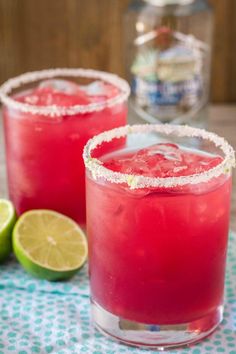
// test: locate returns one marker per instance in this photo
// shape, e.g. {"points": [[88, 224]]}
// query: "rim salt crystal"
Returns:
{"points": [[54, 110], [137, 181]]}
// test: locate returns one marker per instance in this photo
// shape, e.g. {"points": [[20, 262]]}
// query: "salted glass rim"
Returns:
{"points": [[134, 181], [54, 110]]}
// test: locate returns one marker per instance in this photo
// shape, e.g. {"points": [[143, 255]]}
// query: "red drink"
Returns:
{"points": [[44, 148], [158, 253], [175, 257]]}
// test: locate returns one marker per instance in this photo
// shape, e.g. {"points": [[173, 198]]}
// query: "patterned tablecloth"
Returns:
{"points": [[41, 317]]}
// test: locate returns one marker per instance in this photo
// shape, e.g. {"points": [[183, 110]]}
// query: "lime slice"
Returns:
{"points": [[49, 245], [7, 221]]}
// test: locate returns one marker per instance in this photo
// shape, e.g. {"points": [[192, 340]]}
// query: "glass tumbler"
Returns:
{"points": [[157, 245], [47, 122]]}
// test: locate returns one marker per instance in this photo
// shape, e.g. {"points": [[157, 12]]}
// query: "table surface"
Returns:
{"points": [[222, 120]]}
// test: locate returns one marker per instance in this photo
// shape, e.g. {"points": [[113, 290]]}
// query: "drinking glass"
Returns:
{"points": [[157, 245], [45, 135]]}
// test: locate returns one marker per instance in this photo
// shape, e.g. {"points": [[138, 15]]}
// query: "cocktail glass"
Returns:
{"points": [[157, 245], [45, 133]]}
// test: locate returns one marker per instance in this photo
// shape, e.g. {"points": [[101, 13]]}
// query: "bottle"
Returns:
{"points": [[168, 58]]}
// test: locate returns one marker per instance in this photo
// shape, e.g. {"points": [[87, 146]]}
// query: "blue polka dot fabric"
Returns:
{"points": [[41, 317]]}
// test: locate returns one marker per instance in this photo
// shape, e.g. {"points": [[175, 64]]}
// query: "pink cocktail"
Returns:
{"points": [[158, 233], [47, 121]]}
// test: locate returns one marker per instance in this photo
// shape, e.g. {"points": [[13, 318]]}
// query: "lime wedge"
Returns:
{"points": [[49, 245], [7, 221]]}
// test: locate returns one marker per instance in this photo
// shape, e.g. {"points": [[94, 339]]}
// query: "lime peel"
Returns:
{"points": [[49, 245], [7, 222]]}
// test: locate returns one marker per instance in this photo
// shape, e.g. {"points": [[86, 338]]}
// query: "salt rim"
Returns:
{"points": [[53, 110], [137, 181]]}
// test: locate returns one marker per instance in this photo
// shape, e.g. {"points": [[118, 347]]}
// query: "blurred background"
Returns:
{"points": [[78, 33]]}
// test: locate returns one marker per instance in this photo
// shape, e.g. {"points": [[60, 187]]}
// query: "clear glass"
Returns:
{"points": [[44, 143], [168, 56], [157, 247]]}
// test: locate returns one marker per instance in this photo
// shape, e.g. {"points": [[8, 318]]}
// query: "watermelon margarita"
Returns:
{"points": [[46, 127], [158, 233]]}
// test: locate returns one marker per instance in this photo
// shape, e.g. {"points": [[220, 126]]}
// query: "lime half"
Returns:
{"points": [[7, 221], [49, 245]]}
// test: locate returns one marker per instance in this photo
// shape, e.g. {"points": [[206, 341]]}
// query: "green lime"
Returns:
{"points": [[49, 245], [7, 221]]}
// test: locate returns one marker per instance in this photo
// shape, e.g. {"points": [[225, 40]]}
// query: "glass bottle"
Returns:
{"points": [[168, 58]]}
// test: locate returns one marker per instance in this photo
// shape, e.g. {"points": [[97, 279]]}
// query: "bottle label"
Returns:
{"points": [[167, 93]]}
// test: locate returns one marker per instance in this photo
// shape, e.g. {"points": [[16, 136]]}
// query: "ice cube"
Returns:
{"points": [[63, 86], [96, 88], [61, 93], [166, 151], [32, 99], [99, 89], [178, 169]]}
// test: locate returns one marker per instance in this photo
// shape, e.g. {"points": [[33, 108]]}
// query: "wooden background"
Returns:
{"points": [[87, 33]]}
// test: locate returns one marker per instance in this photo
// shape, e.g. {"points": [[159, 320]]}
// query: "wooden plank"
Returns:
{"points": [[60, 33], [224, 51], [41, 34]]}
